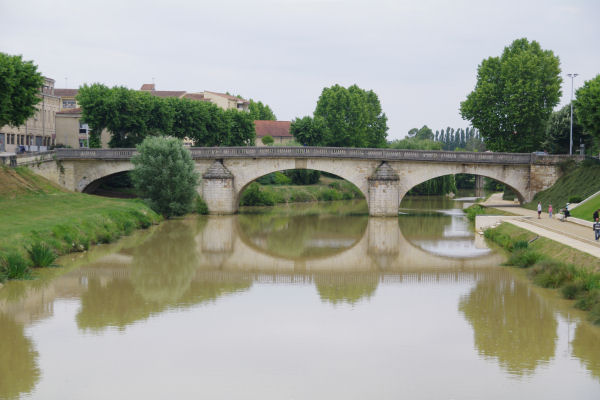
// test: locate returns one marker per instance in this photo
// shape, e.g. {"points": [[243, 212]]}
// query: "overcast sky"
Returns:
{"points": [[420, 57]]}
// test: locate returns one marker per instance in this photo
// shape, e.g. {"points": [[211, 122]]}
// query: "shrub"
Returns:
{"points": [[588, 300], [552, 274], [303, 176], [164, 175], [523, 258], [14, 266], [41, 255], [279, 178], [575, 199], [201, 207], [253, 196], [329, 195], [520, 245], [267, 140], [572, 290], [301, 197]]}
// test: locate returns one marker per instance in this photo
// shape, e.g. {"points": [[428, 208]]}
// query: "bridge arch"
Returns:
{"points": [[242, 184], [500, 173]]}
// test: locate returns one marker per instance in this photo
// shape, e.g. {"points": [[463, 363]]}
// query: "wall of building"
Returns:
{"points": [[40, 129]]}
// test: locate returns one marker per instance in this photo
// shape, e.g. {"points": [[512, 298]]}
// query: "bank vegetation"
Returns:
{"points": [[40, 221], [553, 265]]}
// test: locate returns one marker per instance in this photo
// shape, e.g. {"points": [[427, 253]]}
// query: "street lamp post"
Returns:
{"points": [[571, 136]]}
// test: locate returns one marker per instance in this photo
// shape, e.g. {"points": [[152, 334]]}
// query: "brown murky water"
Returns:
{"points": [[295, 304]]}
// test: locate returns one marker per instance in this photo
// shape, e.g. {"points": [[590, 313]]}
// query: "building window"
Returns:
{"points": [[83, 128], [68, 103]]}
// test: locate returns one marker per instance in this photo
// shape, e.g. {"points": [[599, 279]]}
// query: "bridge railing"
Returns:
{"points": [[200, 153]]}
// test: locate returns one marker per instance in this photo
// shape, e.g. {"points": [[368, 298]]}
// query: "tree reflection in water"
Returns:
{"points": [[348, 288], [586, 347], [19, 372], [160, 277], [511, 324]]}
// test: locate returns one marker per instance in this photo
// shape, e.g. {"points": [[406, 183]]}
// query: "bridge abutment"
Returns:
{"points": [[384, 192], [217, 189]]}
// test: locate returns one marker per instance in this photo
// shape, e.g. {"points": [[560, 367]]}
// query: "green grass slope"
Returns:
{"points": [[581, 180], [33, 210]]}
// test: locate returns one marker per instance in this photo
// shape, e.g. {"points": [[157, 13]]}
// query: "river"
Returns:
{"points": [[311, 301]]}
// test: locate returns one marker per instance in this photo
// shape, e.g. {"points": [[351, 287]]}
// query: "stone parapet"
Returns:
{"points": [[331, 152]]}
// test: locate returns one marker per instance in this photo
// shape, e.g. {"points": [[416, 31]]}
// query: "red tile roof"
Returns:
{"points": [[66, 92], [70, 111], [148, 86], [272, 128], [195, 96], [167, 93]]}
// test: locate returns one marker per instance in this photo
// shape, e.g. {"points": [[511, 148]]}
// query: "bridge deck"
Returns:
{"points": [[200, 153]]}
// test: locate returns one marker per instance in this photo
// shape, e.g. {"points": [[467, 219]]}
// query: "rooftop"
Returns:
{"points": [[272, 128], [66, 92]]}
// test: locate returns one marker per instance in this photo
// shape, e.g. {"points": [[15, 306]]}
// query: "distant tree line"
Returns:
{"points": [[131, 115]]}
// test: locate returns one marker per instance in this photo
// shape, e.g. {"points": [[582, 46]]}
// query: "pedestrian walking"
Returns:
{"points": [[539, 209], [596, 228], [595, 216], [550, 210]]}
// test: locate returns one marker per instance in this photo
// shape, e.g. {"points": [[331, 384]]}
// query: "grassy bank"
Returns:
{"points": [[577, 183], [326, 189], [476, 209], [553, 265], [39, 219], [586, 210]]}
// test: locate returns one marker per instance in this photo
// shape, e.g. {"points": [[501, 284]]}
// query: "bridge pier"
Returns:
{"points": [[384, 192], [217, 189]]}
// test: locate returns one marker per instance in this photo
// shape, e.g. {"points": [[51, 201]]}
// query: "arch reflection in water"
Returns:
{"points": [[443, 233], [511, 323]]}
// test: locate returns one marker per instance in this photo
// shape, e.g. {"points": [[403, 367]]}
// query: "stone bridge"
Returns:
{"points": [[384, 176]]}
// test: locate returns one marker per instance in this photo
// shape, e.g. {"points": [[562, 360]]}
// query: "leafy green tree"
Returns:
{"points": [[558, 132], [260, 111], [309, 131], [164, 175], [344, 117], [267, 140], [131, 116], [240, 129], [587, 106], [514, 96], [425, 133], [20, 84]]}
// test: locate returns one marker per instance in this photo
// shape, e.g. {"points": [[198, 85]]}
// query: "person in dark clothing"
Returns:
{"points": [[596, 228], [595, 216]]}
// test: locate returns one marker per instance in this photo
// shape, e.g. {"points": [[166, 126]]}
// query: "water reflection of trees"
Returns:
{"points": [[164, 266], [511, 324], [586, 347], [348, 288], [19, 372], [298, 236], [424, 225], [160, 277]]}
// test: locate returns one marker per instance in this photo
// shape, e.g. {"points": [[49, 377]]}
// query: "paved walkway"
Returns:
{"points": [[575, 233]]}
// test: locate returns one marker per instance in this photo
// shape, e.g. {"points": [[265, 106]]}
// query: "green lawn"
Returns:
{"points": [[32, 209], [586, 210]]}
